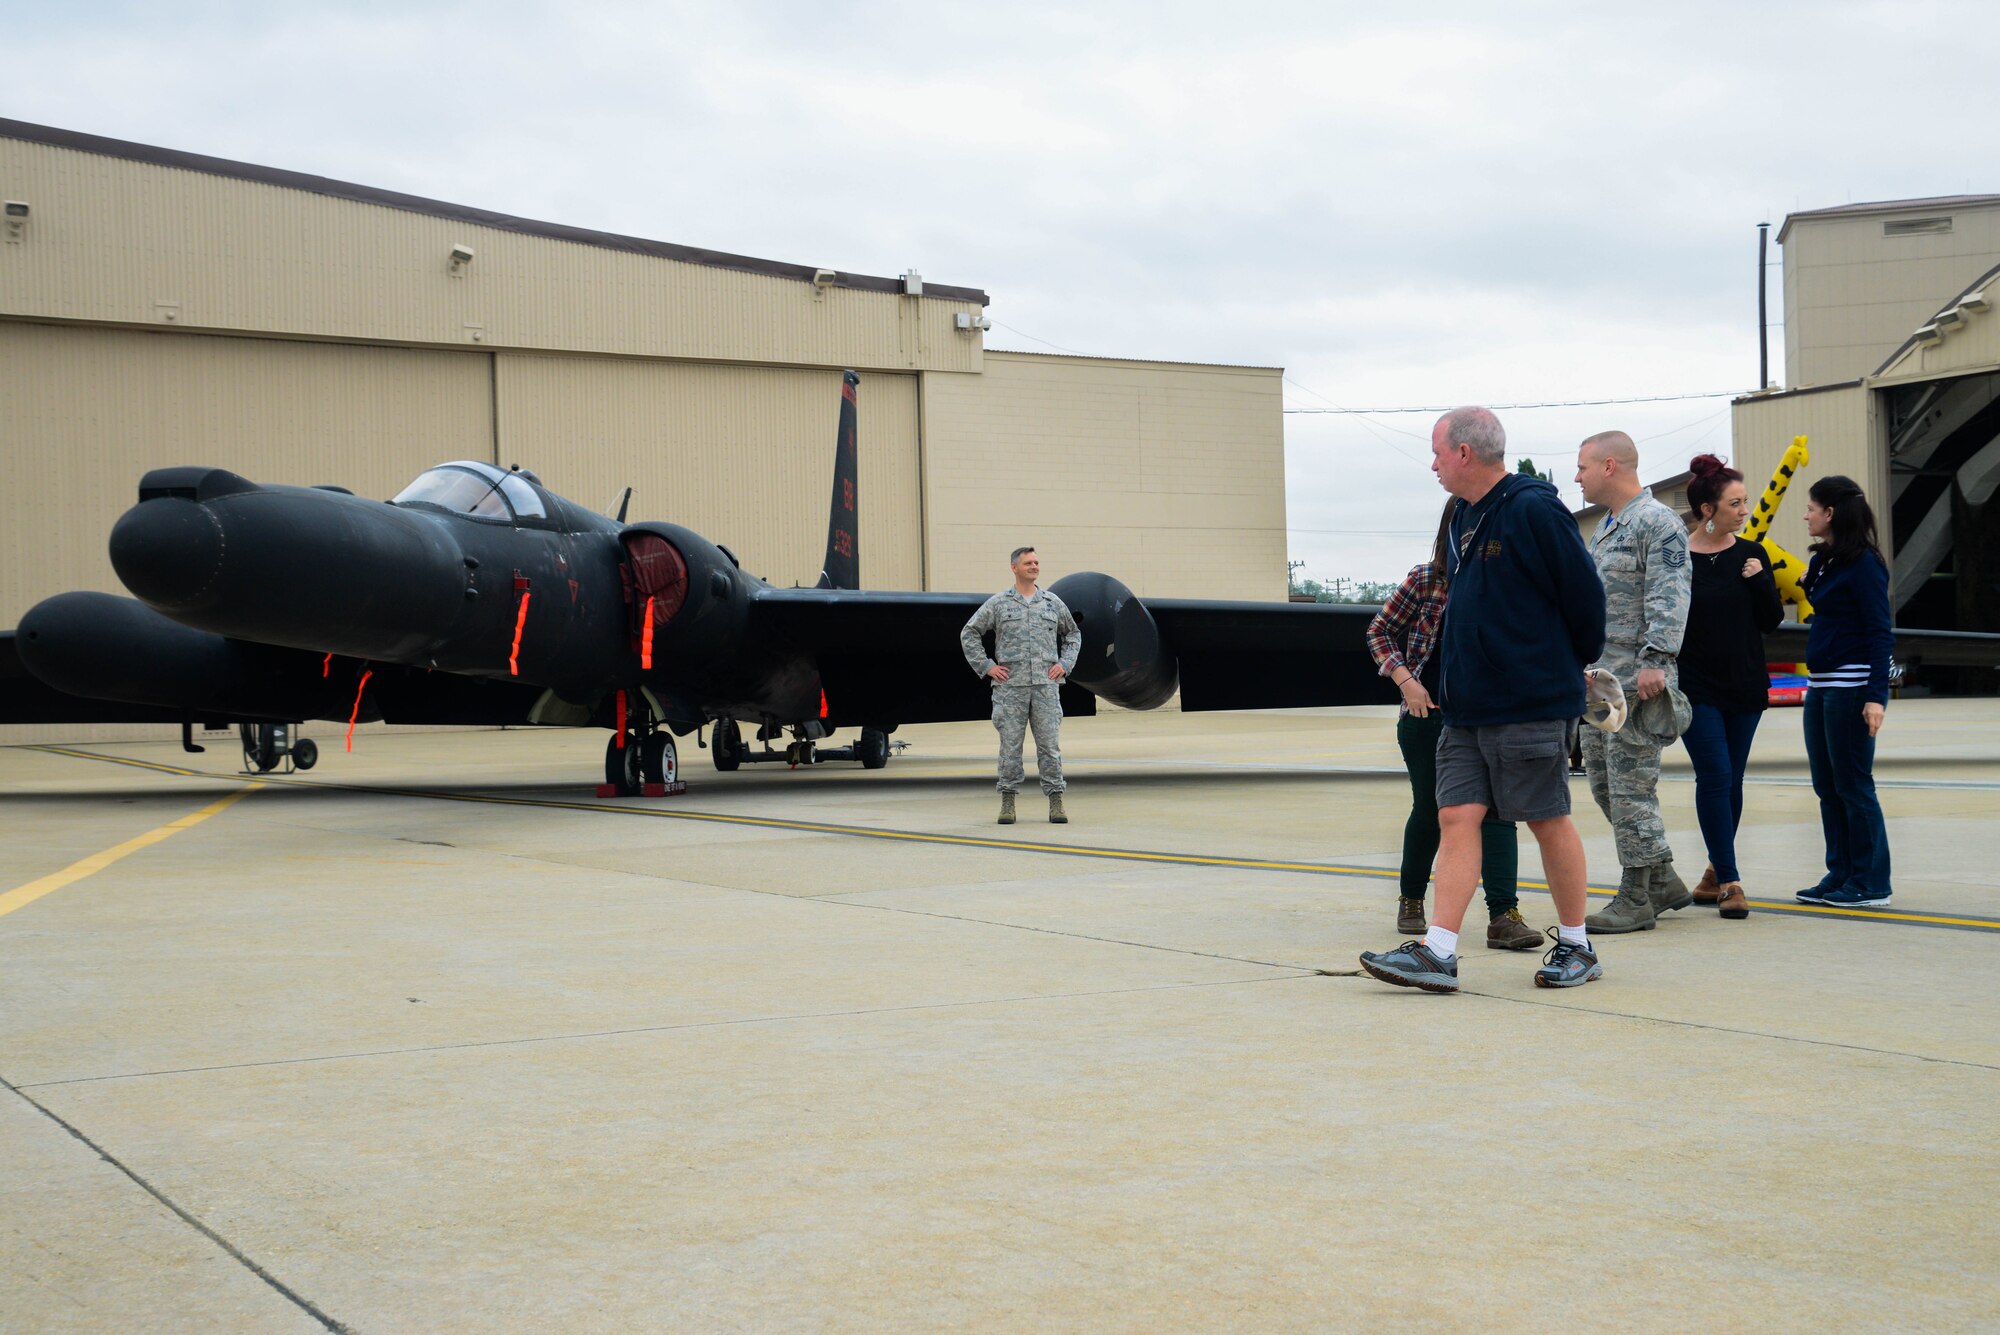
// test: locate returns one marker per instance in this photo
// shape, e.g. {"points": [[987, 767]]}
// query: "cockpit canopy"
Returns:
{"points": [[469, 487]]}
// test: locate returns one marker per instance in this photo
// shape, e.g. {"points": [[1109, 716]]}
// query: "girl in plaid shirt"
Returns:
{"points": [[1403, 638]]}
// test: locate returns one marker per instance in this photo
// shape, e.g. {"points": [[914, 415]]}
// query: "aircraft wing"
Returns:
{"points": [[139, 668], [1271, 655], [25, 698], [1933, 648], [885, 655]]}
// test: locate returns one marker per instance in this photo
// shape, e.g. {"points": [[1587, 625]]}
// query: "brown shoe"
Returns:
{"points": [[1410, 920], [1706, 891], [1509, 932], [1731, 902]]}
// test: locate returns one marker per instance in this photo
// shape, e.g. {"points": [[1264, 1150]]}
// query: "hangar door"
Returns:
{"points": [[87, 411], [741, 454]]}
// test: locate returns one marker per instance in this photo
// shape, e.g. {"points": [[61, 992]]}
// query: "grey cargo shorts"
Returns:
{"points": [[1517, 771]]}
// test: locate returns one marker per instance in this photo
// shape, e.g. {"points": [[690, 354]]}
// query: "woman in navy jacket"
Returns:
{"points": [[1847, 652]]}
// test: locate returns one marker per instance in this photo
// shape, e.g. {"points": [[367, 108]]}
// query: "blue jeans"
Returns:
{"points": [[1718, 742], [1842, 757]]}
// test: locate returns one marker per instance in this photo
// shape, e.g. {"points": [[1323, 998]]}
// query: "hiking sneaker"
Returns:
{"points": [[1669, 891], [1567, 964], [1410, 919], [1632, 911], [1510, 932], [1847, 897], [1006, 809], [1412, 965], [1708, 890], [1057, 816]]}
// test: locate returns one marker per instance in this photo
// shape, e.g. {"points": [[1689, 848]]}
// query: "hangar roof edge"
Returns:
{"points": [[1886, 206], [55, 137]]}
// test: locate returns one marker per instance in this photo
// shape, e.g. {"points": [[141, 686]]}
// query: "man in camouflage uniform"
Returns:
{"points": [[1035, 640], [1642, 556]]}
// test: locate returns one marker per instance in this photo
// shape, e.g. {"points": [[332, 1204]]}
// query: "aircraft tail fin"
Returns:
{"points": [[842, 567]]}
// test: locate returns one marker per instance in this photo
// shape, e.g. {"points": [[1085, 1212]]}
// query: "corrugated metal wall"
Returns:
{"points": [[1852, 294], [1842, 437], [118, 241], [85, 412], [719, 406], [742, 455], [1170, 477]]}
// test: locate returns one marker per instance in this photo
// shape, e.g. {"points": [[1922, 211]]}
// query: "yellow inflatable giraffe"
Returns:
{"points": [[1785, 568]]}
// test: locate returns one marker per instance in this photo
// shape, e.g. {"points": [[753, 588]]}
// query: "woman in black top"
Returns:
{"points": [[1722, 669]]}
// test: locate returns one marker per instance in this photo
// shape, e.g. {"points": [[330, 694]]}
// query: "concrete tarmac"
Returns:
{"points": [[430, 1039]]}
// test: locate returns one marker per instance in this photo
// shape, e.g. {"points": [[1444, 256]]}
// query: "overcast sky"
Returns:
{"points": [[1450, 203]]}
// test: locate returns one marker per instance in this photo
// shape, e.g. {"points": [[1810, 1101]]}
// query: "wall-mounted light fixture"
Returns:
{"points": [[823, 279], [16, 213], [461, 259], [1949, 320], [967, 321], [1973, 301], [1928, 335]]}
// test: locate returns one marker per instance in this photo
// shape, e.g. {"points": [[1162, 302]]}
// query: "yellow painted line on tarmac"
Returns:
{"points": [[973, 841], [23, 895]]}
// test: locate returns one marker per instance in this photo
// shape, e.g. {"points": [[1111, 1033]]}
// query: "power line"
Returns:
{"points": [[1511, 407]]}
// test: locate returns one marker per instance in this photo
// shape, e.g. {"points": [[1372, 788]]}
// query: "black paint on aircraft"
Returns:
{"points": [[478, 596]]}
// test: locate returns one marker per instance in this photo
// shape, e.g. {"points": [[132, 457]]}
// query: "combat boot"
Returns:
{"points": [[1632, 911], [1057, 816], [1668, 890], [1006, 809]]}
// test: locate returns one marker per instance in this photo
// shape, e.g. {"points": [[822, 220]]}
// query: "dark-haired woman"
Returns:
{"points": [[1734, 602], [1847, 653], [1403, 638]]}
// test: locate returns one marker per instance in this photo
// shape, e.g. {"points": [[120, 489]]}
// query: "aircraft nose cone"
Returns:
{"points": [[168, 551]]}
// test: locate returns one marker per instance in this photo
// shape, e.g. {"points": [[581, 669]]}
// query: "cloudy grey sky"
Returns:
{"points": [[1454, 203]]}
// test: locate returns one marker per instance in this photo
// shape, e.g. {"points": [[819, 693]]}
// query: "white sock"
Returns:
{"points": [[1441, 943], [1576, 936]]}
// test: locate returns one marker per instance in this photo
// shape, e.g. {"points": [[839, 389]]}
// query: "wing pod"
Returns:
{"points": [[1125, 659], [103, 647]]}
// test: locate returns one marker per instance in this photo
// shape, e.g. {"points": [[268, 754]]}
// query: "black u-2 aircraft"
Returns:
{"points": [[478, 596]]}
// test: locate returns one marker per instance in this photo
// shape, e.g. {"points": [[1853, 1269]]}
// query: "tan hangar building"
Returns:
{"points": [[159, 307], [1892, 359]]}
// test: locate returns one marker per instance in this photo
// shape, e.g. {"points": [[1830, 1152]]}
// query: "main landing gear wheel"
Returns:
{"points": [[873, 748], [659, 759], [726, 745], [623, 768]]}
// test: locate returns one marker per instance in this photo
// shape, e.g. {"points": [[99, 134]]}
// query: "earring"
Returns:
{"points": [[1710, 526]]}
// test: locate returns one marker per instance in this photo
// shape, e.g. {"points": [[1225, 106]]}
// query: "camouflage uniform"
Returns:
{"points": [[1642, 557], [1029, 634]]}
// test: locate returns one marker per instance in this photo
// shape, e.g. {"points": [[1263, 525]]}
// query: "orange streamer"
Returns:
{"points": [[621, 720], [520, 624], [646, 637], [357, 707]]}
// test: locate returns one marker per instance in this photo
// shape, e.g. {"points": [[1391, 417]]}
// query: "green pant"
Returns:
{"points": [[1500, 861]]}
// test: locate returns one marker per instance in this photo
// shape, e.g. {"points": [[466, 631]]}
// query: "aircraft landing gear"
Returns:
{"points": [[726, 744], [266, 744], [643, 761], [873, 749]]}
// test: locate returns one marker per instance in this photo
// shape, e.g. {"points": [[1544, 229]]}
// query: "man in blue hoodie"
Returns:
{"points": [[1524, 617]]}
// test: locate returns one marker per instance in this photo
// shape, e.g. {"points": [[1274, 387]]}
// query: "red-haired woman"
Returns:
{"points": [[1722, 671], [1403, 638]]}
